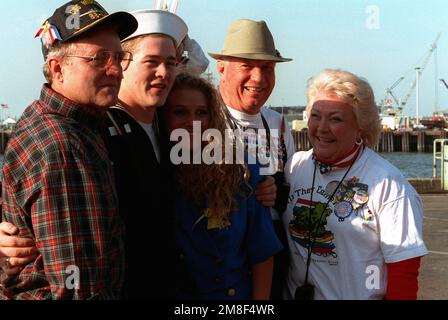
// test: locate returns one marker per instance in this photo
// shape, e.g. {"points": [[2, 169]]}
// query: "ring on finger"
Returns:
{"points": [[8, 263]]}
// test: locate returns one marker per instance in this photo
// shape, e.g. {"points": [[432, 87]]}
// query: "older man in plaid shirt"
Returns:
{"points": [[58, 186]]}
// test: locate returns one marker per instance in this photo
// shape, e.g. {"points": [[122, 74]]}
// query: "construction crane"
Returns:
{"points": [[422, 68], [390, 93]]}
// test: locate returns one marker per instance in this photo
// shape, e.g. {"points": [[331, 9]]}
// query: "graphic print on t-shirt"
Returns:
{"points": [[350, 198], [256, 145], [303, 217]]}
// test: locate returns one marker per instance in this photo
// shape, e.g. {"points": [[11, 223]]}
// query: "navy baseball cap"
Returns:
{"points": [[79, 16]]}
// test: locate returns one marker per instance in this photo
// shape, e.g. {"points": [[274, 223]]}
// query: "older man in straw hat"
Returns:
{"points": [[246, 66]]}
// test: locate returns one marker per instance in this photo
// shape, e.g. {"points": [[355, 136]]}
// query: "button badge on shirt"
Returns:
{"points": [[343, 210], [361, 197]]}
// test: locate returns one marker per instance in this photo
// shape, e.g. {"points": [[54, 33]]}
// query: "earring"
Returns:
{"points": [[359, 141]]}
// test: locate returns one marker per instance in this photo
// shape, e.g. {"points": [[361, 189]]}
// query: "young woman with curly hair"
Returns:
{"points": [[224, 235]]}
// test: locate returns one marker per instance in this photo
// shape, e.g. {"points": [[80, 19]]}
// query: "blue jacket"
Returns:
{"points": [[216, 263]]}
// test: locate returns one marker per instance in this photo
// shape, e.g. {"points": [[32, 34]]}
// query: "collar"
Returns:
{"points": [[346, 160], [119, 106], [244, 119], [56, 103]]}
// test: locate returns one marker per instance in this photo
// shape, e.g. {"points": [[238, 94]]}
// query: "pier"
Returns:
{"points": [[433, 278], [390, 141]]}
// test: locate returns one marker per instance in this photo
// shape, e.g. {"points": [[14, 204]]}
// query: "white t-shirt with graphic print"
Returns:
{"points": [[274, 121], [375, 218]]}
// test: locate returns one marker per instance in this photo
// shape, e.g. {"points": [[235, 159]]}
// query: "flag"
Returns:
{"points": [[48, 34]]}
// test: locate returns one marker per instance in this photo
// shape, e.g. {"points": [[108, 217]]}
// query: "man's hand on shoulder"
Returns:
{"points": [[15, 252], [266, 192]]}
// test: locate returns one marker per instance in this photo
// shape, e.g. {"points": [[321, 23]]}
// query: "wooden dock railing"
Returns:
{"points": [[390, 141]]}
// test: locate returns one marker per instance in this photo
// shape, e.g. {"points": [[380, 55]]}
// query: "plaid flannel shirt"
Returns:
{"points": [[58, 188]]}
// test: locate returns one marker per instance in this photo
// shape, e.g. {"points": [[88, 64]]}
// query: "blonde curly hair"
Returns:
{"points": [[216, 184]]}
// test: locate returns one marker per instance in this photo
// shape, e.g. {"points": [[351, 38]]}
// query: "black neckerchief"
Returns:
{"points": [[120, 130]]}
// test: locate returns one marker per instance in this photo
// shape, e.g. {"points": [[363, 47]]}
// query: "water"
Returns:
{"points": [[411, 164]]}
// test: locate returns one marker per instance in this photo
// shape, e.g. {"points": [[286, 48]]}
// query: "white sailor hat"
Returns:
{"points": [[159, 21]]}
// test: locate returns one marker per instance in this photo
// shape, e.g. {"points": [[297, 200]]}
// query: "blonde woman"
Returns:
{"points": [[354, 223]]}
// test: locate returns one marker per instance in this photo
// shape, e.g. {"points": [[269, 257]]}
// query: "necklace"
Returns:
{"points": [[343, 162], [306, 291]]}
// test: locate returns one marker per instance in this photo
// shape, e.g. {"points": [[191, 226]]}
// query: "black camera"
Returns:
{"points": [[305, 292], [283, 189]]}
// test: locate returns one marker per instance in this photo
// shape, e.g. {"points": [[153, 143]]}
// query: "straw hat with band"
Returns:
{"points": [[77, 17], [249, 39]]}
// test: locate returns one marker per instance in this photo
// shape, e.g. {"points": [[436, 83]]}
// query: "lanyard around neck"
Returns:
{"points": [[312, 243]]}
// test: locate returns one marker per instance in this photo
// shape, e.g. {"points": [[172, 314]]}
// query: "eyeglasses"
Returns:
{"points": [[105, 59]]}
